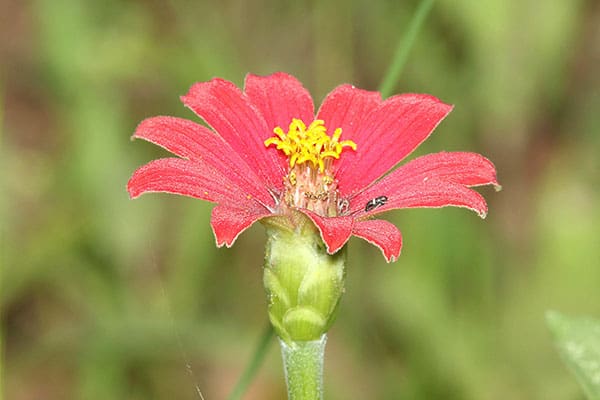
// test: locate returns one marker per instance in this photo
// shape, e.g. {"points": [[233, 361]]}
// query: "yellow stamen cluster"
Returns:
{"points": [[309, 145]]}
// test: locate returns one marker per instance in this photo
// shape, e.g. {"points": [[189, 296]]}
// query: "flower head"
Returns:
{"points": [[269, 157]]}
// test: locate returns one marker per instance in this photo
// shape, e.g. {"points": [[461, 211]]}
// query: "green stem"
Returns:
{"points": [[404, 46], [254, 365], [303, 364]]}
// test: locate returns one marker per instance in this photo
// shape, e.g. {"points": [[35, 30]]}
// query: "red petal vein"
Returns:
{"points": [[433, 193], [195, 142], [470, 169], [346, 107], [433, 180], [187, 178], [231, 114], [388, 135], [279, 97]]}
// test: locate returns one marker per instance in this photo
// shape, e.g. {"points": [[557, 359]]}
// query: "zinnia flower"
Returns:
{"points": [[269, 156]]}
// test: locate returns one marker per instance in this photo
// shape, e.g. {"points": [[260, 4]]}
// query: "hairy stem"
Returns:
{"points": [[303, 364]]}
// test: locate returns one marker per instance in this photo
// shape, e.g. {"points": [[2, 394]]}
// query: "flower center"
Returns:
{"points": [[311, 151]]}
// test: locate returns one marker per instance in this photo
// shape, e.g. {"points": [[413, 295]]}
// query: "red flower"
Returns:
{"points": [[267, 154]]}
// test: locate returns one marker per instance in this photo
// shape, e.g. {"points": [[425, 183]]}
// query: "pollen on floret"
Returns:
{"points": [[310, 144]]}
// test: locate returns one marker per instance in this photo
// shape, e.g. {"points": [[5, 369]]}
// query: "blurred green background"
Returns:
{"points": [[107, 298]]}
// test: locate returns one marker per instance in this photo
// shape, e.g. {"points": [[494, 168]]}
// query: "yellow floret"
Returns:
{"points": [[312, 144]]}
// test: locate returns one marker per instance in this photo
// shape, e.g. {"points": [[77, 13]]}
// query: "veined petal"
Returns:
{"points": [[187, 178], [279, 97], [386, 136], [433, 193], [346, 107], [382, 234], [233, 116], [229, 222], [195, 142], [181, 137], [335, 231], [469, 169], [439, 179]]}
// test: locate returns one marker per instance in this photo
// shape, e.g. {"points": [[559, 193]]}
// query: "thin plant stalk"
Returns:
{"points": [[254, 365], [404, 46]]}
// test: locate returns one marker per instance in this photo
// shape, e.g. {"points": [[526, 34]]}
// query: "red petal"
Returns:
{"points": [[231, 114], [187, 178], [335, 231], [195, 142], [229, 222], [389, 134], [279, 97], [433, 193], [181, 137], [382, 234], [346, 107], [433, 180], [470, 169]]}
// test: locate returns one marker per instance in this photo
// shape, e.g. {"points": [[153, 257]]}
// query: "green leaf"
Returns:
{"points": [[578, 341]]}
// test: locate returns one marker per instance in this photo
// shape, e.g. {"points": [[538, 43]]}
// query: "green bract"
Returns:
{"points": [[304, 283]]}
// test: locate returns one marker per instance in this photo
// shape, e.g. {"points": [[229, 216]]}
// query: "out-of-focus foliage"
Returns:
{"points": [[578, 340], [107, 298]]}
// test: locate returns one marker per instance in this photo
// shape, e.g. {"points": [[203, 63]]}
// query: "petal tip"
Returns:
{"points": [[133, 189], [199, 88], [229, 223], [222, 242], [382, 234], [482, 212], [391, 257], [274, 75], [131, 193]]}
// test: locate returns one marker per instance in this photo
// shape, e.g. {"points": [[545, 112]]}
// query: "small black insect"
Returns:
{"points": [[376, 202]]}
